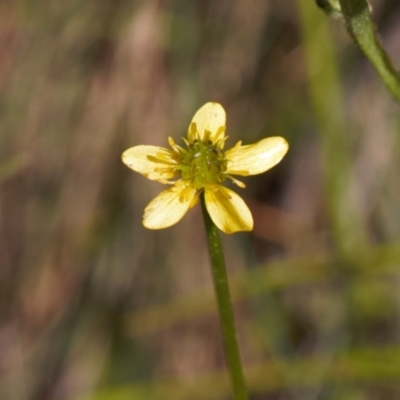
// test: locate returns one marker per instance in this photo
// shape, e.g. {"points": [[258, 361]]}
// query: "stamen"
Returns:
{"points": [[237, 145], [236, 181], [192, 131], [165, 158], [207, 135], [174, 146], [220, 134], [238, 172]]}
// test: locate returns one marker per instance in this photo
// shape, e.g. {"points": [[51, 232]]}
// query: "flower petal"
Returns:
{"points": [[169, 207], [209, 123], [155, 163], [256, 158], [228, 210]]}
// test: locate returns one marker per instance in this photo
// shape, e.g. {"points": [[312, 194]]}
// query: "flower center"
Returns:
{"points": [[204, 163]]}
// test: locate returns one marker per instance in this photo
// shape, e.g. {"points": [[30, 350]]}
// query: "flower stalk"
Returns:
{"points": [[225, 310]]}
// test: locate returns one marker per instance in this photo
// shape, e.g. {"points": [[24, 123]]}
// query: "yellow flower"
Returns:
{"points": [[202, 167]]}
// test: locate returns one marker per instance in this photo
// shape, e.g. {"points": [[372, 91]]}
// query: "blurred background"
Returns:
{"points": [[93, 305]]}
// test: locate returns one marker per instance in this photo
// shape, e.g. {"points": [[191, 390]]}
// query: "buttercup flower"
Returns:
{"points": [[202, 167]]}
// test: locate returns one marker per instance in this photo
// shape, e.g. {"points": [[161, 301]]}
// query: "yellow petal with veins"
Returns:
{"points": [[256, 158], [209, 123], [155, 163], [228, 210], [169, 207]]}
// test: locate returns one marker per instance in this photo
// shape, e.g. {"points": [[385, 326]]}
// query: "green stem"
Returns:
{"points": [[361, 27], [225, 310]]}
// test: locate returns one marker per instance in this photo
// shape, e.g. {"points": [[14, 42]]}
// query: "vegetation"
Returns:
{"points": [[95, 306]]}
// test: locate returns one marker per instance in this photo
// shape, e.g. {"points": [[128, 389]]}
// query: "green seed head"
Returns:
{"points": [[204, 163]]}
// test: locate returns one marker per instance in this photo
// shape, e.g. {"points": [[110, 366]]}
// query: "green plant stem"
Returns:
{"points": [[221, 286], [361, 27], [327, 100]]}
